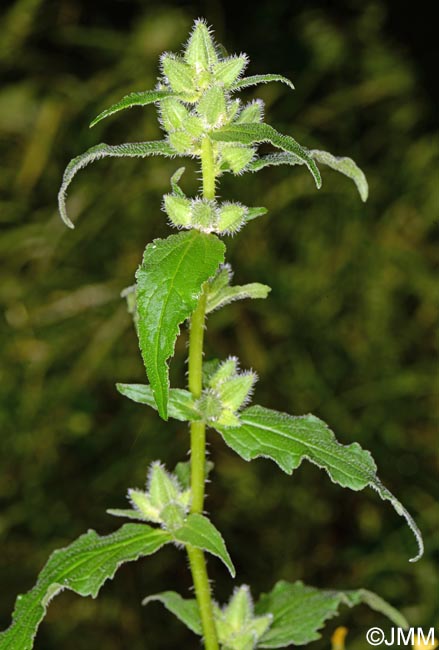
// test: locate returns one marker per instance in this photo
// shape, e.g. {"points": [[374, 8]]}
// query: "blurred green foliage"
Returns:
{"points": [[346, 332]]}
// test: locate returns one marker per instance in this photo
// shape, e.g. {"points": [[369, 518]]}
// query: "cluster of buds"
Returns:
{"points": [[208, 216], [238, 627], [201, 84], [227, 390], [163, 502]]}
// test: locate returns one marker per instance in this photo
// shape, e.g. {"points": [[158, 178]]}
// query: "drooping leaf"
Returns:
{"points": [[169, 283], [133, 99], [181, 404], [198, 531], [288, 440], [300, 611], [236, 292], [82, 567], [345, 166], [126, 150], [256, 133], [185, 609], [283, 158], [256, 79]]}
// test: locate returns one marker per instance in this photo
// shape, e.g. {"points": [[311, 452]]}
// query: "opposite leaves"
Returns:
{"points": [[288, 440], [169, 283], [82, 567]]}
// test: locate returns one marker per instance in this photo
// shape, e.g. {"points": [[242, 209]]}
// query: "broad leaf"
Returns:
{"points": [[198, 531], [82, 567], [133, 99], [169, 283], [288, 440], [185, 609], [345, 166], [300, 611], [256, 79], [256, 133], [180, 406], [127, 150]]}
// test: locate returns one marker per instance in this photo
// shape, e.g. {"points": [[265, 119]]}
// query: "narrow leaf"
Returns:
{"points": [[300, 611], [283, 158], [133, 99], [198, 531], [82, 567], [226, 295], [181, 403], [288, 440], [256, 133], [345, 166], [169, 283], [127, 150], [256, 79], [186, 610]]}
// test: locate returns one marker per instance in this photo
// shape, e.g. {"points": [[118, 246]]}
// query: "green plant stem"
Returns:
{"points": [[197, 560]]}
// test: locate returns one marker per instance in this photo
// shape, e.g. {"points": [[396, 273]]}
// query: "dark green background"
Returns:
{"points": [[347, 332]]}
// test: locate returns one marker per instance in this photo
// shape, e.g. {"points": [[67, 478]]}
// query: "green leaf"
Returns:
{"points": [[181, 404], [82, 567], [300, 611], [198, 531], [237, 292], [127, 150], [260, 79], [182, 471], [169, 283], [186, 610], [283, 158], [345, 166], [288, 440], [133, 99], [256, 133]]}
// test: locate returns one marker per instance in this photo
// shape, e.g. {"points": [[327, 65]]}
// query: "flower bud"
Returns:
{"points": [[142, 503], [203, 214], [237, 157], [173, 113], [228, 71], [179, 74], [180, 141], [231, 217], [234, 392], [252, 113], [162, 487], [212, 106], [178, 209], [200, 50]]}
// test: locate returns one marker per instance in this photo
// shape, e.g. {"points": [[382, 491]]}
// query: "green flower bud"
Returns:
{"points": [[237, 157], [173, 113], [200, 50], [180, 141], [226, 370], [231, 217], [173, 516], [251, 113], [228, 71], [142, 503], [203, 214], [212, 106], [178, 209], [240, 608], [194, 126], [179, 74], [162, 487], [228, 419], [235, 392], [209, 405]]}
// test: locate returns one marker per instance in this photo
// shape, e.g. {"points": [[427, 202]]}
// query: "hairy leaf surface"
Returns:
{"points": [[256, 79], [169, 283], [185, 609], [300, 611], [126, 150], [82, 567], [256, 133], [288, 440], [345, 166], [133, 99], [180, 406], [198, 531]]}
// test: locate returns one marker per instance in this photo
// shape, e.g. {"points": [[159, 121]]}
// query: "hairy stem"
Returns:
{"points": [[198, 429]]}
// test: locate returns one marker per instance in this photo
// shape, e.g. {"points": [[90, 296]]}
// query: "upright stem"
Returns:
{"points": [[198, 429]]}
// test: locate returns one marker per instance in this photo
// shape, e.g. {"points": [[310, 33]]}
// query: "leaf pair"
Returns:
{"points": [[84, 566]]}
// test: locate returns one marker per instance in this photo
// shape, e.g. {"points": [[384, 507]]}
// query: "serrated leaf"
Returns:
{"points": [[133, 99], [169, 283], [126, 150], [256, 79], [345, 166], [181, 404], [185, 609], [228, 294], [82, 567], [288, 440], [198, 531], [256, 133], [300, 611]]}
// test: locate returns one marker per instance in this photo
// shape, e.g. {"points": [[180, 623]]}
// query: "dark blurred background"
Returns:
{"points": [[347, 332]]}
